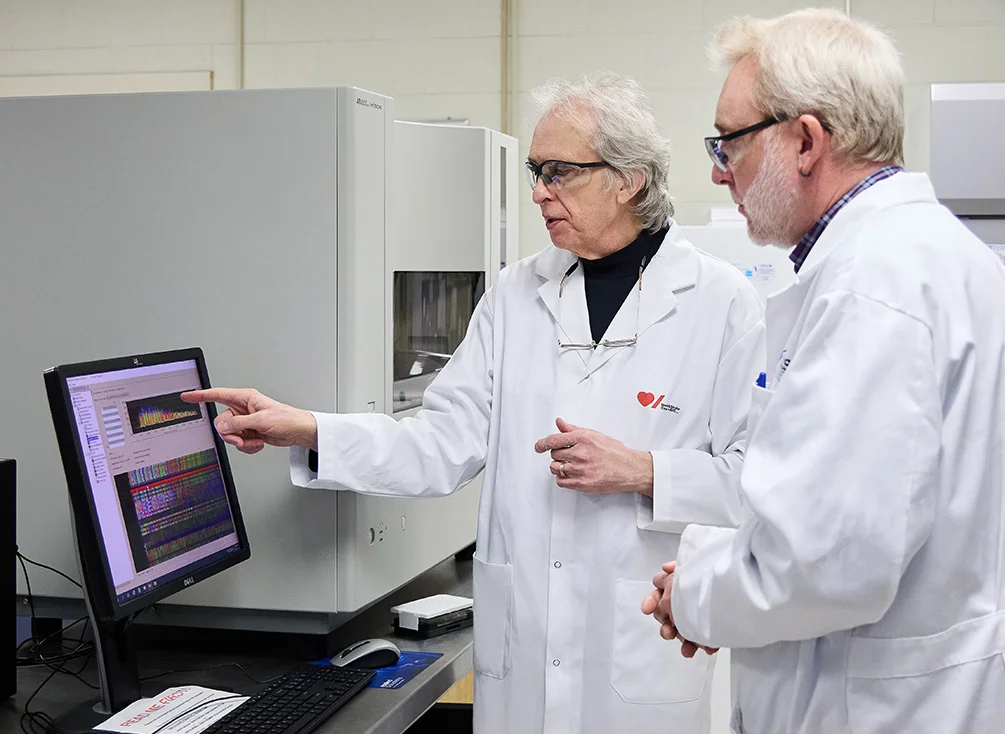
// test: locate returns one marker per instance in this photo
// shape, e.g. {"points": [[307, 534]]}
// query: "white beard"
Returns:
{"points": [[771, 200]]}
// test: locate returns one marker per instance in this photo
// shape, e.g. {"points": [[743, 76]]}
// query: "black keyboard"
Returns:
{"points": [[297, 703]]}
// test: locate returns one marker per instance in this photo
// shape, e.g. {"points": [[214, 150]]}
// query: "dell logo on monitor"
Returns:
{"points": [[189, 581]]}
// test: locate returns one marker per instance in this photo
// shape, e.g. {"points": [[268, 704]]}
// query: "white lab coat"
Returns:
{"points": [[560, 644], [864, 591]]}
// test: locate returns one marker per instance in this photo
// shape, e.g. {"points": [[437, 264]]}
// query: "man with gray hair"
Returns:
{"points": [[864, 590], [603, 386]]}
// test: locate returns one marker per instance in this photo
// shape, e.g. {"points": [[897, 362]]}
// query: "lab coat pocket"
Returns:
{"points": [[644, 667], [894, 681], [758, 401], [493, 609]]}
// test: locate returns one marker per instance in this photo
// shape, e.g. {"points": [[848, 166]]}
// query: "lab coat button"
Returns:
{"points": [[558, 564], [556, 662]]}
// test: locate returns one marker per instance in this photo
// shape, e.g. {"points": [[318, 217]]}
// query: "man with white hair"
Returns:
{"points": [[864, 590], [643, 349]]}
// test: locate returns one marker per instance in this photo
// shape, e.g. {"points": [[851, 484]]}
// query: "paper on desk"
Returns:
{"points": [[148, 715]]}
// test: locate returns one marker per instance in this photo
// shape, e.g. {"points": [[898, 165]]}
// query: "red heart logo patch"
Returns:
{"points": [[646, 398]]}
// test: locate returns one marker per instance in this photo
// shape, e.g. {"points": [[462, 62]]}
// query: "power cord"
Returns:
{"points": [[27, 583], [36, 654], [39, 722], [216, 667], [22, 559], [25, 558]]}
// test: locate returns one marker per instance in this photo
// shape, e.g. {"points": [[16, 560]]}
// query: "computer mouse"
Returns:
{"points": [[369, 654]]}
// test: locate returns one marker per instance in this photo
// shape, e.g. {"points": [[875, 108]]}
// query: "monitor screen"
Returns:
{"points": [[152, 475]]}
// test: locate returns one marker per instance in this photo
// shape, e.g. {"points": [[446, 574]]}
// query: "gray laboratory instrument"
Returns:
{"points": [[266, 227]]}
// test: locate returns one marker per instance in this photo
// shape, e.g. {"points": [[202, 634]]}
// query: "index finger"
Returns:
{"points": [[229, 396], [546, 443]]}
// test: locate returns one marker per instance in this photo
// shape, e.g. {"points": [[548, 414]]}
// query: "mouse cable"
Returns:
{"points": [[240, 667]]}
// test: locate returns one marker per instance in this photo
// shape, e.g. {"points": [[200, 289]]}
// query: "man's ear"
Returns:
{"points": [[813, 139], [629, 185]]}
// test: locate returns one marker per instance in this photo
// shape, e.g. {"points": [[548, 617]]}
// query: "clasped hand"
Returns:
{"points": [[658, 605]]}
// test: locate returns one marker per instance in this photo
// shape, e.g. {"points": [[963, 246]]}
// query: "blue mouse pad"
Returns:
{"points": [[409, 665]]}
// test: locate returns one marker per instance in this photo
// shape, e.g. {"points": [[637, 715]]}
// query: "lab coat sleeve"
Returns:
{"points": [[433, 453], [702, 485], [838, 487]]}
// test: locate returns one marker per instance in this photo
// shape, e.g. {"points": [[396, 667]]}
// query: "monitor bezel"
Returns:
{"points": [[93, 559]]}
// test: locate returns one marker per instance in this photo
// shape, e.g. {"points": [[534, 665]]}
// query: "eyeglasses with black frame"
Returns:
{"points": [[558, 174], [714, 143]]}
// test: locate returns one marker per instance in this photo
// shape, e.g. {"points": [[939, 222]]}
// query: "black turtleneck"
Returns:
{"points": [[610, 279]]}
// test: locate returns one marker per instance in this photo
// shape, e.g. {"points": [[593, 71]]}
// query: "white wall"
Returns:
{"points": [[441, 58], [662, 44]]}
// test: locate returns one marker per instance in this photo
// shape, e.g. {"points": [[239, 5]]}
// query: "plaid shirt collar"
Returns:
{"points": [[802, 250]]}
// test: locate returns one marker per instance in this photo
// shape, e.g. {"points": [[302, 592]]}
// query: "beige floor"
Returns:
{"points": [[461, 692]]}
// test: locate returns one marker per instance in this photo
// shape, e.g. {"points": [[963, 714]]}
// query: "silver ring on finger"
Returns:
{"points": [[561, 470]]}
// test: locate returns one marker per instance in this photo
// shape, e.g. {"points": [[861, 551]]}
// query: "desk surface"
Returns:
{"points": [[374, 711]]}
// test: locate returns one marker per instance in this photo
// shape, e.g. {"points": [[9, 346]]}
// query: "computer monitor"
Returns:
{"points": [[8, 584], [152, 498]]}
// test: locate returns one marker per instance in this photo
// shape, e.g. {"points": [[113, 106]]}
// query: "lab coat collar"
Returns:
{"points": [[552, 265], [782, 308], [673, 269], [903, 188]]}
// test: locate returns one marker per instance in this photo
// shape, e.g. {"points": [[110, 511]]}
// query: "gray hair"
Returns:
{"points": [[821, 62], [626, 134]]}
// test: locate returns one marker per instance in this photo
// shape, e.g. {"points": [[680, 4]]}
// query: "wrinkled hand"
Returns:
{"points": [[253, 420], [657, 603], [590, 461]]}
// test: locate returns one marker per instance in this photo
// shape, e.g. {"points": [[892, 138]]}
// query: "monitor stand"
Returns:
{"points": [[117, 673]]}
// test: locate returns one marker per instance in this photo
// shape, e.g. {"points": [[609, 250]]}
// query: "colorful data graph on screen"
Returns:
{"points": [[160, 411], [173, 507]]}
